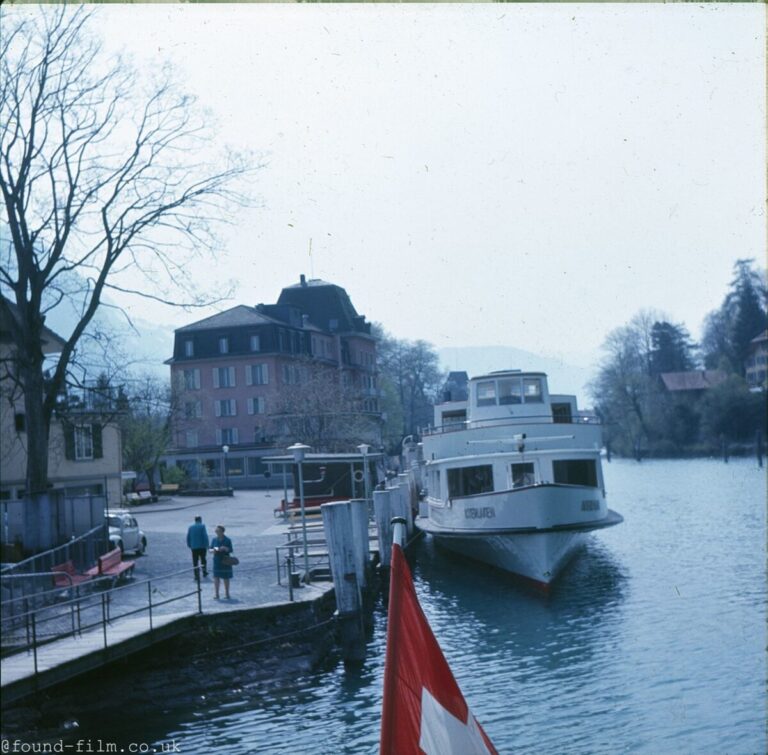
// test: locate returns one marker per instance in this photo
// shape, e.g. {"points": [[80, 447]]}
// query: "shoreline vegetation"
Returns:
{"points": [[659, 395]]}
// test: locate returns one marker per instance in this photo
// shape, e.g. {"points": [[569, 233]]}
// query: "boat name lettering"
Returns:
{"points": [[590, 505], [485, 512]]}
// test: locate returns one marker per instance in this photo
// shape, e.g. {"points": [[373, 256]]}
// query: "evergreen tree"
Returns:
{"points": [[671, 348], [742, 316]]}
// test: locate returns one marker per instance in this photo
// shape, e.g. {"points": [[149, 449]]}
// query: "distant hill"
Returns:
{"points": [[563, 377]]}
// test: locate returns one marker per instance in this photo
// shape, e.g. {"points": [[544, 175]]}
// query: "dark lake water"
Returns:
{"points": [[653, 641]]}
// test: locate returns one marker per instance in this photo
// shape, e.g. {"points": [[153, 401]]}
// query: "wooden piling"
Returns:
{"points": [[345, 556], [382, 511], [358, 510], [402, 506]]}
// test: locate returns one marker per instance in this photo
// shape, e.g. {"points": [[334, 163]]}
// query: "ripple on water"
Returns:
{"points": [[651, 642]]}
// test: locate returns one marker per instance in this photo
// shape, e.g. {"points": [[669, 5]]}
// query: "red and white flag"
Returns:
{"points": [[424, 710]]}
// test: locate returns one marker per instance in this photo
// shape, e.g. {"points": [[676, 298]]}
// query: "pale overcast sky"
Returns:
{"points": [[499, 174]]}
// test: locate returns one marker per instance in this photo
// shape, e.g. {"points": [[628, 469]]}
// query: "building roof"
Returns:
{"points": [[240, 315], [327, 305], [760, 338], [694, 380], [52, 342]]}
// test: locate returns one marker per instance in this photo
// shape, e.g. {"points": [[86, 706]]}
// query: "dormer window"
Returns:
{"points": [[189, 348], [255, 343], [223, 345]]}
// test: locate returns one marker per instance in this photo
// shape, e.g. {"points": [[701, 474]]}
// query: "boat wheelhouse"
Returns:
{"points": [[513, 475]]}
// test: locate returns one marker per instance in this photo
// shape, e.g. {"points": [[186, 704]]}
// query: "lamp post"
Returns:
{"points": [[364, 448], [299, 451], [225, 451]]}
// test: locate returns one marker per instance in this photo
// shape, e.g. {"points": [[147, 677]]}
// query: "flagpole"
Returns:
{"points": [[398, 531], [386, 743]]}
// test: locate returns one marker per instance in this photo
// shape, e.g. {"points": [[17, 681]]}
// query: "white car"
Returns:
{"points": [[124, 532]]}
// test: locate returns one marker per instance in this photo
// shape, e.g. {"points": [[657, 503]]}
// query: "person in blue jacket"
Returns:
{"points": [[221, 546], [197, 542]]}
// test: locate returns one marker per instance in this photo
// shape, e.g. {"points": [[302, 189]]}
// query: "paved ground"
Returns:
{"points": [[251, 525], [255, 532]]}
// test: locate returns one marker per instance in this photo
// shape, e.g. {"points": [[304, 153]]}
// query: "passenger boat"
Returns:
{"points": [[513, 476]]}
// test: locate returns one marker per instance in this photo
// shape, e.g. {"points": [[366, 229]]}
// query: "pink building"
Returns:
{"points": [[236, 373]]}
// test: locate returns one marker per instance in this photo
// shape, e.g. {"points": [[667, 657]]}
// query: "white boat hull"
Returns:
{"points": [[538, 557]]}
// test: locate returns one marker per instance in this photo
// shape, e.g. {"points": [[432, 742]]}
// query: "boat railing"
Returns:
{"points": [[581, 418]]}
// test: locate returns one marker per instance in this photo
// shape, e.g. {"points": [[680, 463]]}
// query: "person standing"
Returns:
{"points": [[197, 542], [221, 546]]}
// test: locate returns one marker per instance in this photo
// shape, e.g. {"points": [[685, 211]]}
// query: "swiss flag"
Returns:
{"points": [[424, 710]]}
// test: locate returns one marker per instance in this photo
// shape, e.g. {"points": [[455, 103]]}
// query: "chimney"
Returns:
{"points": [[303, 280]]}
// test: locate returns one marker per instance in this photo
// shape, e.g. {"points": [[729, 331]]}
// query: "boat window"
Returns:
{"points": [[522, 475], [510, 391], [470, 480], [561, 413], [575, 472], [486, 393], [532, 390]]}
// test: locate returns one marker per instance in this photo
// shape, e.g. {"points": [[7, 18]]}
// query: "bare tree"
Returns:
{"points": [[319, 410], [103, 188]]}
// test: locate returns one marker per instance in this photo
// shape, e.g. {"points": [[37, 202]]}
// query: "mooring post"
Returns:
{"points": [[405, 482], [359, 513], [344, 555], [382, 511]]}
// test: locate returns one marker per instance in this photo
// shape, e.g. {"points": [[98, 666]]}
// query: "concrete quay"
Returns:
{"points": [[255, 532]]}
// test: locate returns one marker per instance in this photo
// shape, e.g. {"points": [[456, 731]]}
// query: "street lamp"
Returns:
{"points": [[299, 451], [364, 448], [225, 450]]}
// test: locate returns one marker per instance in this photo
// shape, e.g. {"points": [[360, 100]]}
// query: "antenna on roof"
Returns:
{"points": [[311, 261]]}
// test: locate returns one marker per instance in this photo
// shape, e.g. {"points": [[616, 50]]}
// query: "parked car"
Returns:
{"points": [[124, 532]]}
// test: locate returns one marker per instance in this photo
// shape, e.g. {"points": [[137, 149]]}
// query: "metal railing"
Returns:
{"points": [[33, 578], [543, 419], [25, 629]]}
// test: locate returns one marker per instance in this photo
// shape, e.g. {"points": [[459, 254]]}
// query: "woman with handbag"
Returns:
{"points": [[221, 547]]}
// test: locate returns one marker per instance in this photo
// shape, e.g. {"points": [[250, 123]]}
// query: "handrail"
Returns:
{"points": [[531, 419], [72, 610]]}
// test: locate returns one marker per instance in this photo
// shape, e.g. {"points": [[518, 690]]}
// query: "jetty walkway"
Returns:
{"points": [[164, 579]]}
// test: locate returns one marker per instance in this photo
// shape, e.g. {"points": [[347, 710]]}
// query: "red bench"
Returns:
{"points": [[68, 575], [112, 565]]}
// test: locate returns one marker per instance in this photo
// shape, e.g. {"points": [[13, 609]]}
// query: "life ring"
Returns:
{"points": [[358, 476]]}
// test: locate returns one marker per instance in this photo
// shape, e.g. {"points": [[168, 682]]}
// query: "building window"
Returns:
{"points": [[189, 348], [20, 422], [292, 374], [255, 343], [223, 345], [256, 466], [257, 374], [193, 409], [223, 377], [256, 405], [192, 380], [235, 466], [226, 436], [470, 480], [191, 439], [225, 408], [83, 442]]}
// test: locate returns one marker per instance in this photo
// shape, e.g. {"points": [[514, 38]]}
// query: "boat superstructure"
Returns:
{"points": [[513, 475]]}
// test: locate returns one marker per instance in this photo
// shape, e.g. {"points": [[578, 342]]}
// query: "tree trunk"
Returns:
{"points": [[37, 426]]}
